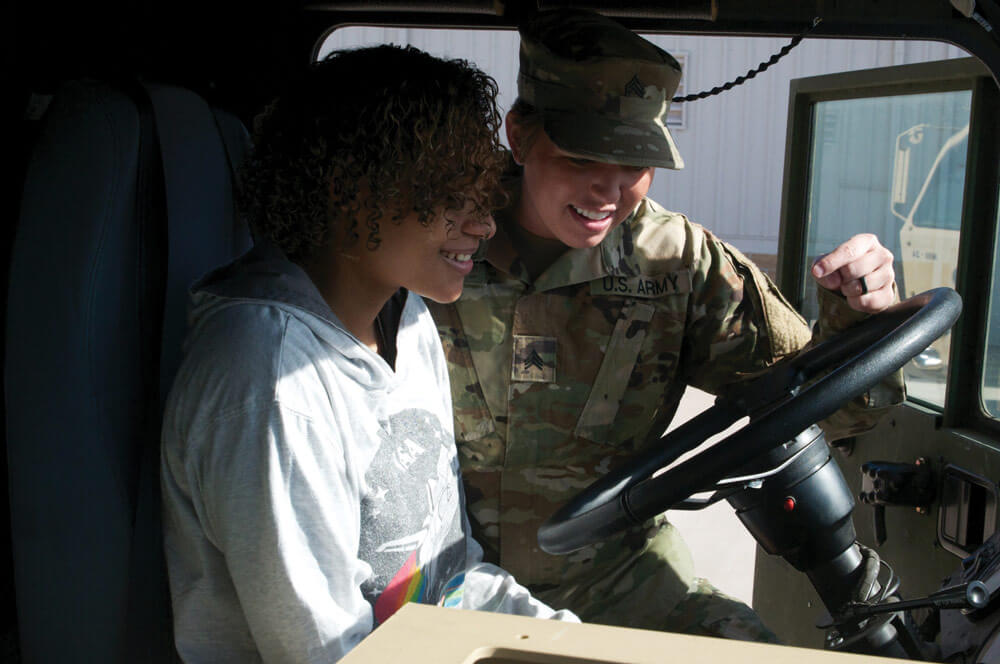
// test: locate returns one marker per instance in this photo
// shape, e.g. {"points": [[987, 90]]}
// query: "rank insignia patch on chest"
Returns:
{"points": [[534, 359]]}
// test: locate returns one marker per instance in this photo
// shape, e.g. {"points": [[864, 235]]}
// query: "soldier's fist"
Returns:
{"points": [[861, 269]]}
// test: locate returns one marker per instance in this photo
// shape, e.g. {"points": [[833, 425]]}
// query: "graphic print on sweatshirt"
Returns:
{"points": [[412, 534]]}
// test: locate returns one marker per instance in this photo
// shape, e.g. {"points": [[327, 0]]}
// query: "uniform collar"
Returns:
{"points": [[614, 256]]}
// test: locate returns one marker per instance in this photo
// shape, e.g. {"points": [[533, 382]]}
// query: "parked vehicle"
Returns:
{"points": [[927, 198]]}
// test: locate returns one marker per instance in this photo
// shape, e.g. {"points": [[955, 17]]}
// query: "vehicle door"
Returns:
{"points": [[909, 153]]}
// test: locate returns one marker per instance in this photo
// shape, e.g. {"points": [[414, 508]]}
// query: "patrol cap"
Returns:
{"points": [[602, 90]]}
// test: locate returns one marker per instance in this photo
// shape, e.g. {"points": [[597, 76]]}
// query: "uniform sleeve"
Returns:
{"points": [[738, 321], [863, 412], [282, 504], [740, 324]]}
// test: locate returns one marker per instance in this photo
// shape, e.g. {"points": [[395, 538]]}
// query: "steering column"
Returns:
{"points": [[802, 512], [790, 495]]}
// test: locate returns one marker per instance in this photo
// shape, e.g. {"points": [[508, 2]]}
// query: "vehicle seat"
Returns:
{"points": [[128, 199]]}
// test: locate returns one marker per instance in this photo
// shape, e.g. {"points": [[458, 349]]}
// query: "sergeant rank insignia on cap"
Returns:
{"points": [[635, 88]]}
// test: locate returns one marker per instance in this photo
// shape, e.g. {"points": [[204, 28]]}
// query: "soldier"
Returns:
{"points": [[592, 311]]}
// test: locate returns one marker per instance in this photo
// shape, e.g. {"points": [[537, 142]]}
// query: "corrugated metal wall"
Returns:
{"points": [[733, 144]]}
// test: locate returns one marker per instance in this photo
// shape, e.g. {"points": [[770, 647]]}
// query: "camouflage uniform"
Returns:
{"points": [[556, 379]]}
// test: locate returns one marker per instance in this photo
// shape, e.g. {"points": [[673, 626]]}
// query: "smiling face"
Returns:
{"points": [[430, 260], [573, 200]]}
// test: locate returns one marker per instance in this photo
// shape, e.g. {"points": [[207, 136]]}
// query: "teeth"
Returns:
{"points": [[591, 214], [457, 257]]}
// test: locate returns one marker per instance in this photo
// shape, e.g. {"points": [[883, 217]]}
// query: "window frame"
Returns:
{"points": [[677, 116], [962, 408]]}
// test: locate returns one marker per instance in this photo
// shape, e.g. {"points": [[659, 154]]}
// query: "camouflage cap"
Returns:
{"points": [[602, 90]]}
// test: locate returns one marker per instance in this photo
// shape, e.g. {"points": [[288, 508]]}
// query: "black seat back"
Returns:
{"points": [[128, 199]]}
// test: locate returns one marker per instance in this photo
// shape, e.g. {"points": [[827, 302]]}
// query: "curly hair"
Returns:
{"points": [[372, 134]]}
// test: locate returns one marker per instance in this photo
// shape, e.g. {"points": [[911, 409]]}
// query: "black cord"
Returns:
{"points": [[740, 80], [892, 585]]}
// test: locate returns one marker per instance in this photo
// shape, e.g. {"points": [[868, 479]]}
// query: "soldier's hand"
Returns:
{"points": [[861, 269]]}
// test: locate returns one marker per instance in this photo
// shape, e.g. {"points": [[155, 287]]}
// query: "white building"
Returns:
{"points": [[733, 144]]}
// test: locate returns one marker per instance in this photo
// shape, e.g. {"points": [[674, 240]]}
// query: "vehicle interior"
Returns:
{"points": [[125, 127]]}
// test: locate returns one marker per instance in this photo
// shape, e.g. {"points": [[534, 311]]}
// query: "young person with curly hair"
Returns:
{"points": [[310, 477]]}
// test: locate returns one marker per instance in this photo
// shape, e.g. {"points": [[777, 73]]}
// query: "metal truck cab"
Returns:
{"points": [[124, 124]]}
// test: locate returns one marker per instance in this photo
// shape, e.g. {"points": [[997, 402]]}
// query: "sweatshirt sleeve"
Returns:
{"points": [[486, 587], [283, 507]]}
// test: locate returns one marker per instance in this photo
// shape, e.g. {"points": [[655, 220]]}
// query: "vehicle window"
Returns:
{"points": [[894, 166], [990, 387]]}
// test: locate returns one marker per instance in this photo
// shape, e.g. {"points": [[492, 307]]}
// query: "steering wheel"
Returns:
{"points": [[779, 404]]}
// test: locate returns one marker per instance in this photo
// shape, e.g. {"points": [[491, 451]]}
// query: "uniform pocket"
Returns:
{"points": [[612, 379]]}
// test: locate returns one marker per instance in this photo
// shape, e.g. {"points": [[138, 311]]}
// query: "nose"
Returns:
{"points": [[482, 228], [609, 180]]}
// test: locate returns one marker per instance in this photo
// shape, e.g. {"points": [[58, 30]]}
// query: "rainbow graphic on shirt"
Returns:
{"points": [[406, 586], [451, 596]]}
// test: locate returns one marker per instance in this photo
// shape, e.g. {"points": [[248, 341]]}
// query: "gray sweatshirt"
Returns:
{"points": [[309, 488]]}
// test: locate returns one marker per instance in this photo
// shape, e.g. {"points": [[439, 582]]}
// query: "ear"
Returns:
{"points": [[515, 136]]}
